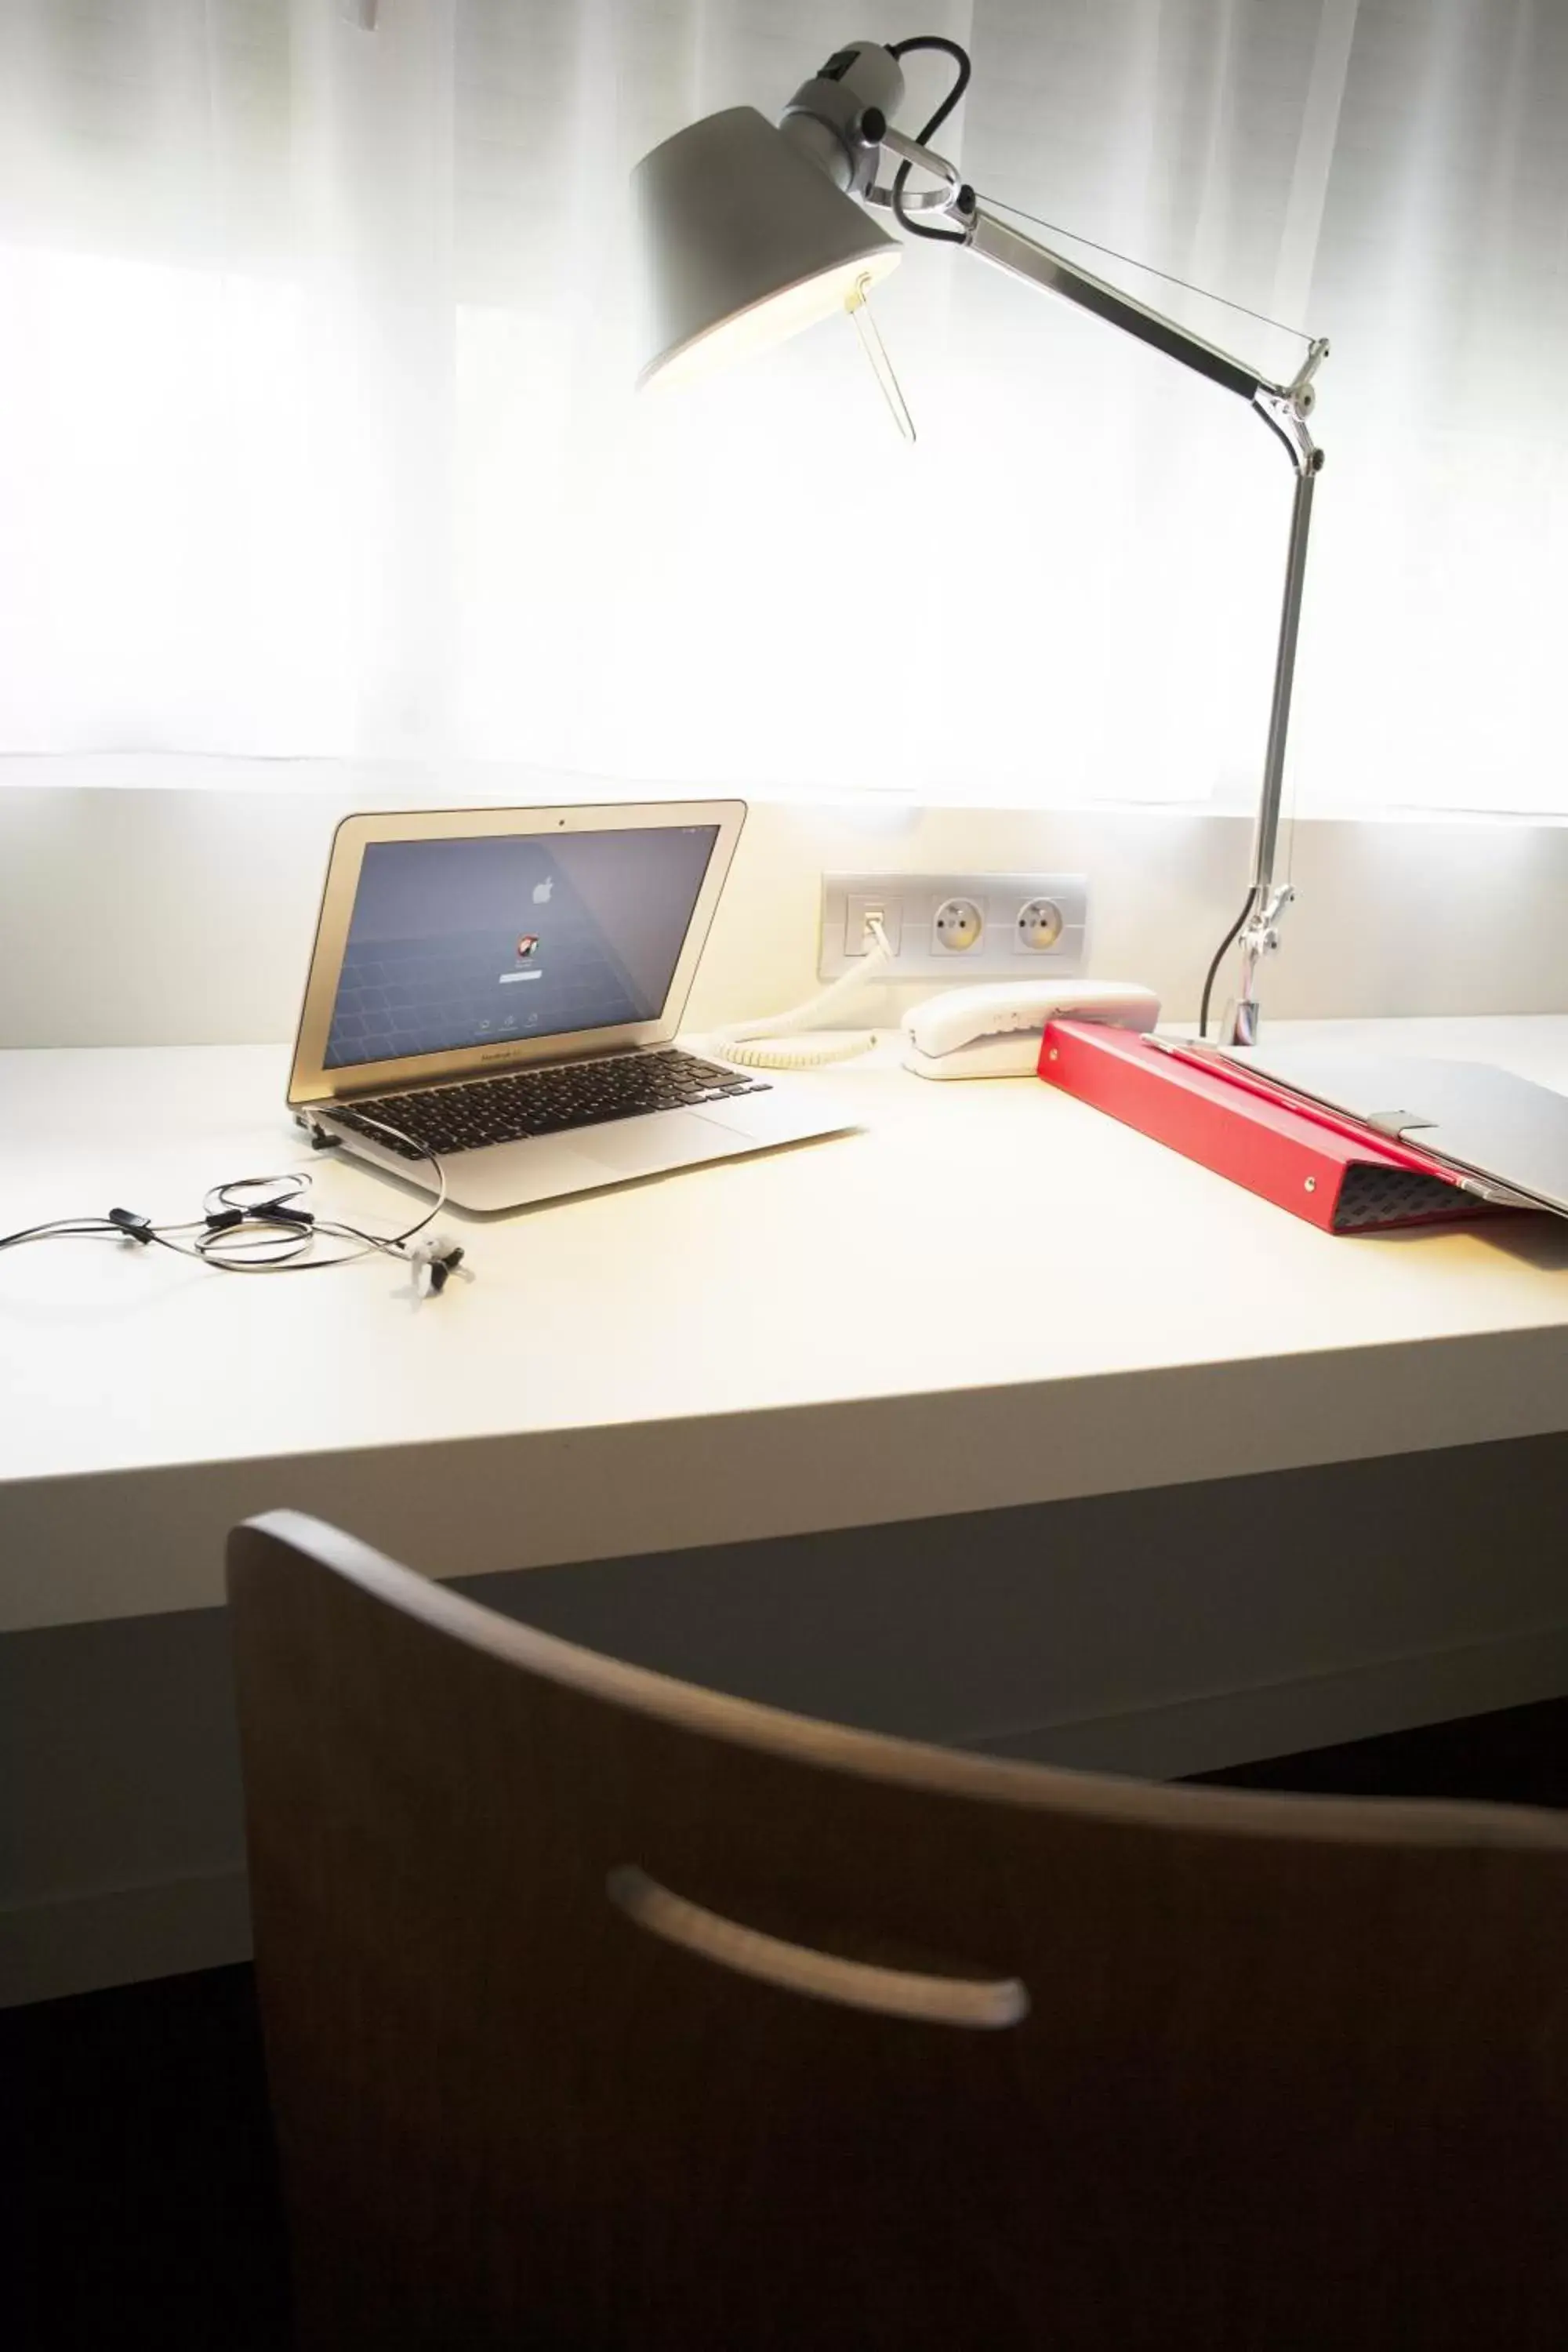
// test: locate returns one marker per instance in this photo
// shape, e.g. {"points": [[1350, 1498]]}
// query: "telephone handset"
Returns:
{"points": [[994, 1032]]}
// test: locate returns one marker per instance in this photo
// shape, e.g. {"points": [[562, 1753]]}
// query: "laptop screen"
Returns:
{"points": [[488, 940]]}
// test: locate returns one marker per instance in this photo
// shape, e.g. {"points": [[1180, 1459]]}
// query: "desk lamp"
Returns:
{"points": [[752, 232]]}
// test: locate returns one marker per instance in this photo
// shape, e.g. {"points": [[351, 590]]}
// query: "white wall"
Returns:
{"points": [[148, 916]]}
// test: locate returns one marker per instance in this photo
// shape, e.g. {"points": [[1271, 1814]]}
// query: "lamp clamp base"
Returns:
{"points": [[1259, 937]]}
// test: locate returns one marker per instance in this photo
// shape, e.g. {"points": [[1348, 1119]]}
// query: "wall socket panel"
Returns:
{"points": [[957, 927]]}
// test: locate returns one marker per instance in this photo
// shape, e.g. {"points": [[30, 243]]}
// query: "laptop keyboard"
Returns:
{"points": [[550, 1101]]}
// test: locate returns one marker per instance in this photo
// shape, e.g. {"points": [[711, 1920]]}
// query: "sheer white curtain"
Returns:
{"points": [[316, 439]]}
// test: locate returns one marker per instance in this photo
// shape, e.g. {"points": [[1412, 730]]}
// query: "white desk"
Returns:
{"points": [[993, 1296]]}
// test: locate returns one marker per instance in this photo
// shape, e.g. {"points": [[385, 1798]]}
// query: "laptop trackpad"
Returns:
{"points": [[667, 1138]]}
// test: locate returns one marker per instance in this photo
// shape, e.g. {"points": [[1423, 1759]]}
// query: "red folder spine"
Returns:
{"points": [[1281, 1153]]}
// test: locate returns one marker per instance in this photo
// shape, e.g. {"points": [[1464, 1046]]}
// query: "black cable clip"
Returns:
{"points": [[133, 1224]]}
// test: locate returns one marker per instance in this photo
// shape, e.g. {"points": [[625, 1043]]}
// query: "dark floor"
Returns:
{"points": [[1517, 1758], [149, 2195], [150, 2211]]}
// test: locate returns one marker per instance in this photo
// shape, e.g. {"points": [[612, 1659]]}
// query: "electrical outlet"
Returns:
{"points": [[959, 927], [956, 927], [1038, 927]]}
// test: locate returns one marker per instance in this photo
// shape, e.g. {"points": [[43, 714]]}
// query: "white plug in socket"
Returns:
{"points": [[859, 907]]}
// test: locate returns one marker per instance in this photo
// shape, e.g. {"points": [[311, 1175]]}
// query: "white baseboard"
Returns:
{"points": [[125, 1935], [1210, 1732], [84, 1942]]}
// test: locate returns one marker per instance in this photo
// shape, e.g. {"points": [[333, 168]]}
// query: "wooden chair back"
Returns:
{"points": [[607, 2013]]}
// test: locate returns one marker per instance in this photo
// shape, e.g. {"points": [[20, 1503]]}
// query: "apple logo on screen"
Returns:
{"points": [[541, 891]]}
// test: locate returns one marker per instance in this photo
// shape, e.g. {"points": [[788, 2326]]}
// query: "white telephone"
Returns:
{"points": [[995, 1032]]}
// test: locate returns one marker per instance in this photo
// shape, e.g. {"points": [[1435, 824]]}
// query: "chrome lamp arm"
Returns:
{"points": [[1285, 409]]}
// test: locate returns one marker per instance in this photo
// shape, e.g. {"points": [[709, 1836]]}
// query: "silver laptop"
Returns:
{"points": [[498, 990]]}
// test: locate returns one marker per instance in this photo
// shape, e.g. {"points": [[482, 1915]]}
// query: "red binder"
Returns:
{"points": [[1325, 1169]]}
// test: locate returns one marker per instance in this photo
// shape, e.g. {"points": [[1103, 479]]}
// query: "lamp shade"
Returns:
{"points": [[745, 240]]}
